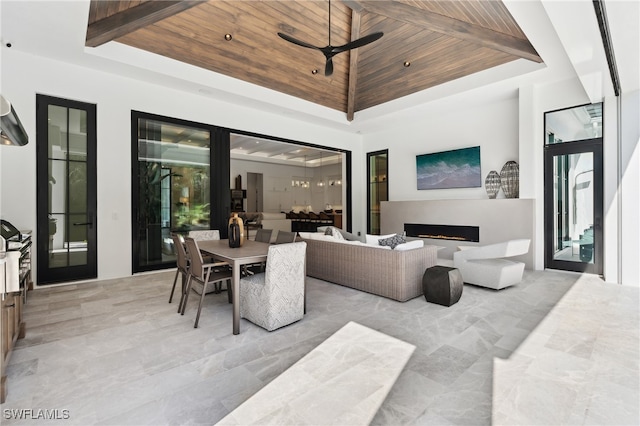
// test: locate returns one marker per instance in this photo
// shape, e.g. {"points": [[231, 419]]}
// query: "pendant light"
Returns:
{"points": [[321, 181]]}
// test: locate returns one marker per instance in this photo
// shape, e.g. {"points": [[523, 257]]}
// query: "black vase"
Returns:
{"points": [[234, 234]]}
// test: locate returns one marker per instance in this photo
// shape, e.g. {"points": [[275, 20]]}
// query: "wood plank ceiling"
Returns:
{"points": [[425, 42]]}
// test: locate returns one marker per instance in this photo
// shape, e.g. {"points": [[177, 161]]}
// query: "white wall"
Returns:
{"points": [[514, 129], [24, 76], [279, 195], [493, 126], [630, 188], [509, 129]]}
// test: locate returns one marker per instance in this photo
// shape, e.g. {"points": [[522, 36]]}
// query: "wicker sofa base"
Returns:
{"points": [[388, 273]]}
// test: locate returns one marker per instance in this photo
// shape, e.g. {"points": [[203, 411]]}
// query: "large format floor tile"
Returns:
{"points": [[556, 349]]}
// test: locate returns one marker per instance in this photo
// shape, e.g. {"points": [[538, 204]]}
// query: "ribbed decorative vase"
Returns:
{"points": [[492, 184], [510, 179], [236, 231]]}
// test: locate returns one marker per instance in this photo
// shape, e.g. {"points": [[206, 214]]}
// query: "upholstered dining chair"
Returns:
{"points": [[203, 273], [284, 237], [182, 263], [275, 298]]}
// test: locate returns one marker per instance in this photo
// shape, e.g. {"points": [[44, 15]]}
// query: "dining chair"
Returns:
{"points": [[203, 273], [208, 234], [284, 237], [182, 263], [263, 236], [205, 234], [275, 298]]}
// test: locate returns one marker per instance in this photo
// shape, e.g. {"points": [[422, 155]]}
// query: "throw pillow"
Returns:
{"points": [[334, 232], [392, 241], [373, 239]]}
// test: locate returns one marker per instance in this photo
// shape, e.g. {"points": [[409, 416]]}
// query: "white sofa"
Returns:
{"points": [[486, 265]]}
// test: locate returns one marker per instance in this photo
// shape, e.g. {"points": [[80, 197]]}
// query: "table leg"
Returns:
{"points": [[236, 298]]}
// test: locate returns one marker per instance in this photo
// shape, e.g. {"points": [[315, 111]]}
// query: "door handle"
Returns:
{"points": [[83, 223]]}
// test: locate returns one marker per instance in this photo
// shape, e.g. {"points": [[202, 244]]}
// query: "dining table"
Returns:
{"points": [[249, 252]]}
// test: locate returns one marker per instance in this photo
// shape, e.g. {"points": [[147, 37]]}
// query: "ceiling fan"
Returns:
{"points": [[330, 51]]}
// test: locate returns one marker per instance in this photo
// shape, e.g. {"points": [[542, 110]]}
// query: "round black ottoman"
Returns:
{"points": [[442, 285]]}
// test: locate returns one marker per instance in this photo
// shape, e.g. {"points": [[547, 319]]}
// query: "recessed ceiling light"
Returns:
{"points": [[314, 72], [228, 37], [406, 64]]}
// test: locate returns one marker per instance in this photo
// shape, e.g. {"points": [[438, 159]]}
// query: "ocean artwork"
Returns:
{"points": [[459, 168]]}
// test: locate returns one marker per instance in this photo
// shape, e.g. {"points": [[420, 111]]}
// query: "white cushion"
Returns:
{"points": [[409, 245], [373, 239]]}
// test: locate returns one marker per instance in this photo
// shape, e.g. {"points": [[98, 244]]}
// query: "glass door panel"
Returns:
{"points": [[377, 190], [173, 191], [573, 193]]}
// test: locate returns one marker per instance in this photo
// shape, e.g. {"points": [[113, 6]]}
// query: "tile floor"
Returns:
{"points": [[558, 348]]}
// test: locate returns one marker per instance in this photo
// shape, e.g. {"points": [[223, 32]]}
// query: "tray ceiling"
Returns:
{"points": [[425, 43]]}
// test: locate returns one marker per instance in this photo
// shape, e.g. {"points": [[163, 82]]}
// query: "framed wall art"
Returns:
{"points": [[458, 168]]}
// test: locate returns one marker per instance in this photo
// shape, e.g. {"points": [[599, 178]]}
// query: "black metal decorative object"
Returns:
{"points": [[492, 184], [510, 179]]}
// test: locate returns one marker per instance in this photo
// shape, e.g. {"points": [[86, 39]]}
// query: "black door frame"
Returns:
{"points": [[566, 148], [47, 275]]}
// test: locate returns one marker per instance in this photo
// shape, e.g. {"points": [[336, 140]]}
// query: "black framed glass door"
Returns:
{"points": [[66, 187], [574, 196]]}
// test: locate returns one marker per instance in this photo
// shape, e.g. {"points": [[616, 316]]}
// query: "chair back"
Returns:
{"points": [[264, 235], [208, 234], [193, 251], [284, 237], [285, 273], [178, 244]]}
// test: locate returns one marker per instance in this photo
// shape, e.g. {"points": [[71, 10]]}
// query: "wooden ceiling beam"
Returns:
{"points": [[353, 66], [129, 20], [448, 26]]}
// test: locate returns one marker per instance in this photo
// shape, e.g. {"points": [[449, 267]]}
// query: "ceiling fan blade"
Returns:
{"points": [[296, 41], [358, 43], [328, 68]]}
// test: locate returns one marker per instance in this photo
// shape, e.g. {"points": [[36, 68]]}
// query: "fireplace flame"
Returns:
{"points": [[442, 237]]}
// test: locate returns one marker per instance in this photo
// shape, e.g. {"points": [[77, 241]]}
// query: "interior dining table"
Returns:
{"points": [[250, 252]]}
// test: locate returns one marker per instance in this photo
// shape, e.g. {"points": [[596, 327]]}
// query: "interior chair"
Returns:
{"points": [[208, 234], [205, 234], [284, 237], [182, 263], [275, 298], [263, 236], [203, 273], [486, 266]]}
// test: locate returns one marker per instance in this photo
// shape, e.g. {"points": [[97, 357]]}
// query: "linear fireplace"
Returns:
{"points": [[443, 232]]}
